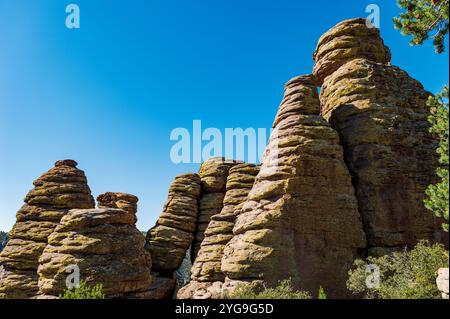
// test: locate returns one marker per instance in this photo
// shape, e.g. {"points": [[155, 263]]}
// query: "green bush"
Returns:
{"points": [[403, 275], [322, 294], [84, 292], [283, 291]]}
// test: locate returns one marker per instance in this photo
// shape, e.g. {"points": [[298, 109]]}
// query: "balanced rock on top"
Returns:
{"points": [[123, 201], [61, 188]]}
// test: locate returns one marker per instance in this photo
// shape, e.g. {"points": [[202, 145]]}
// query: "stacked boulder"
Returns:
{"points": [[123, 201], [173, 234], [301, 218], [381, 115], [61, 188], [207, 276], [213, 173], [346, 41], [107, 249]]}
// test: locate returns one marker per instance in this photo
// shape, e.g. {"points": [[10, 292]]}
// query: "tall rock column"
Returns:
{"points": [[171, 237], [61, 188], [381, 115], [301, 219], [207, 277], [213, 174]]}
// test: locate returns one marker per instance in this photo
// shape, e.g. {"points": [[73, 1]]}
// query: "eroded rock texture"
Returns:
{"points": [[381, 115], [346, 41], [206, 270], [123, 201], [169, 240], [173, 234], [213, 174], [61, 188], [300, 220], [107, 248]]}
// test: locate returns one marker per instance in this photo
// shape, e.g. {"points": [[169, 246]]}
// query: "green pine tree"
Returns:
{"points": [[438, 198], [422, 18]]}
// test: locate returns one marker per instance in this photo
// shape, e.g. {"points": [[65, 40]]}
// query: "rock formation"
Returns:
{"points": [[206, 270], [173, 234], [213, 174], [106, 247], [61, 188], [123, 201], [301, 218], [346, 41], [381, 115]]}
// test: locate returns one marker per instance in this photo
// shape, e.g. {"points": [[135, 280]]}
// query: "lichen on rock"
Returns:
{"points": [[61, 188]]}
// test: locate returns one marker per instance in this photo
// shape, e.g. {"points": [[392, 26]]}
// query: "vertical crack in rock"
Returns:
{"points": [[381, 115], [171, 237], [61, 188], [106, 246], [300, 220], [206, 270], [213, 174]]}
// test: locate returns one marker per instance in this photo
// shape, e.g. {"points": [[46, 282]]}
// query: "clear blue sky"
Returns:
{"points": [[109, 94]]}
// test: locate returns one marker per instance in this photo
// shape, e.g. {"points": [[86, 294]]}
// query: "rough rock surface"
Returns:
{"points": [[300, 220], [123, 201], [381, 115], [213, 174], [61, 188], [442, 282], [173, 234], [344, 42], [207, 265], [107, 248]]}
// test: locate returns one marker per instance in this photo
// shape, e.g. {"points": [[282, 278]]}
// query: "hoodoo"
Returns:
{"points": [[61, 188]]}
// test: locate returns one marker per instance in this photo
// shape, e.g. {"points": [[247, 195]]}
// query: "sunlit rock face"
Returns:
{"points": [[106, 247], [213, 174], [206, 271], [61, 188], [301, 218], [344, 42], [380, 113]]}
